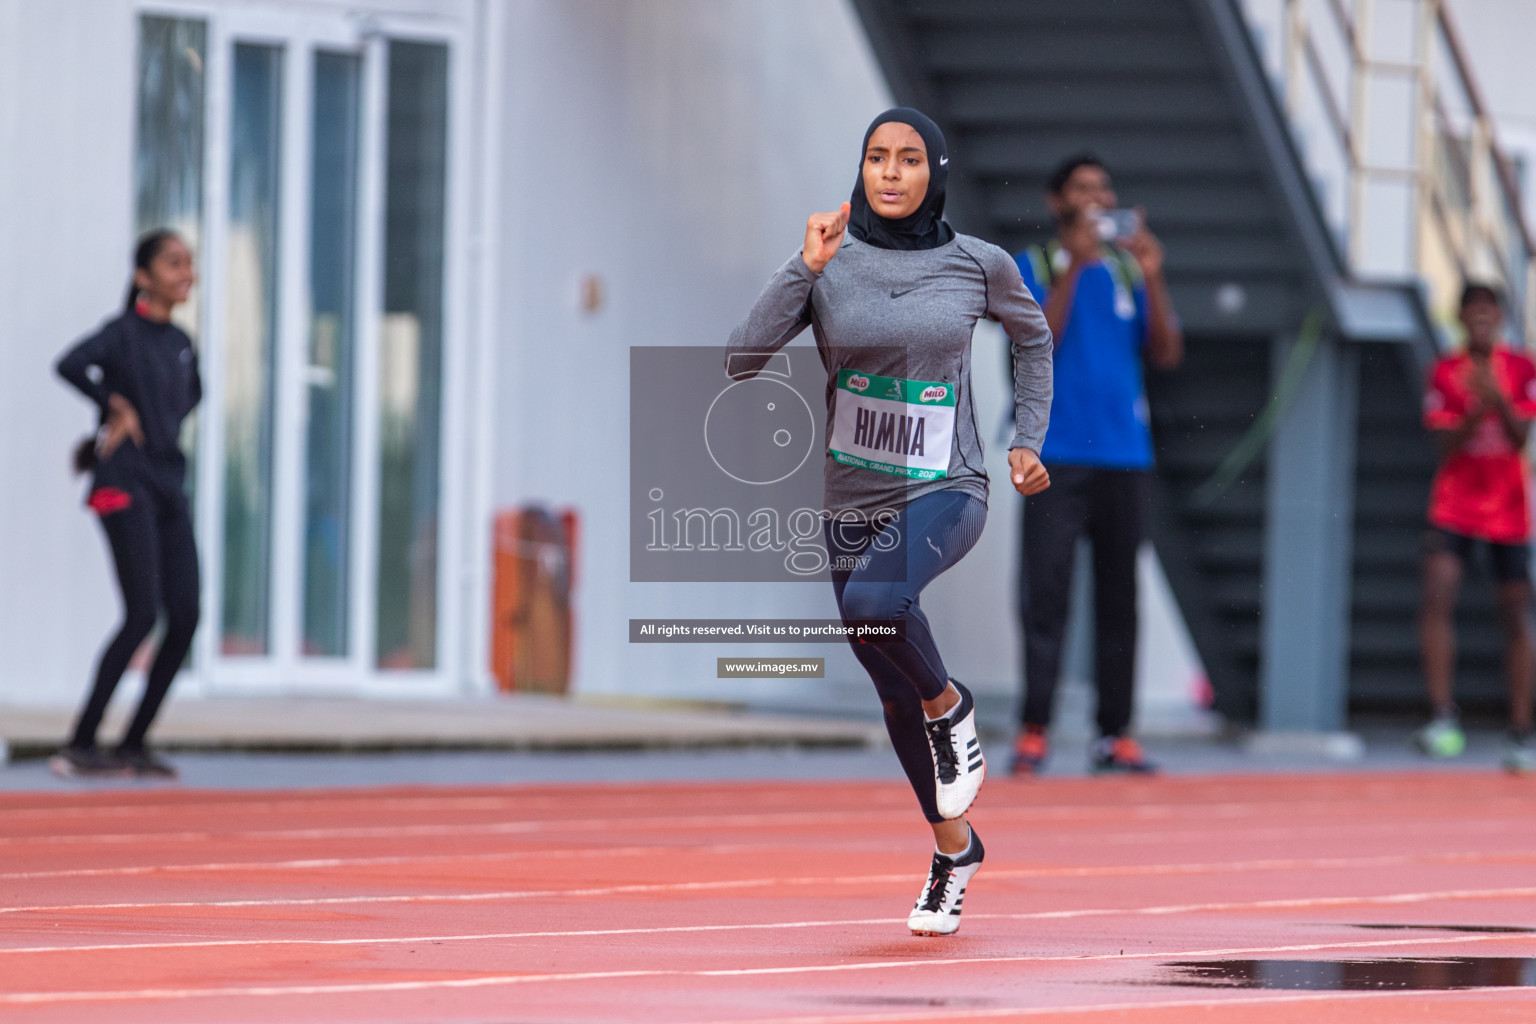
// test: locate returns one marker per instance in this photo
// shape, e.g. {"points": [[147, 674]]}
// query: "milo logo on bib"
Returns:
{"points": [[889, 425]]}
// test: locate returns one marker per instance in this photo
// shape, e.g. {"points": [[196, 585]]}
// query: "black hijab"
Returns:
{"points": [[923, 228]]}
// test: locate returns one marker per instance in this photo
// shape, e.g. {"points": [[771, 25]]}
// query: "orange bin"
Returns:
{"points": [[532, 627]]}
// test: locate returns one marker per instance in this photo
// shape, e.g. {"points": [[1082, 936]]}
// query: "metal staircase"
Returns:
{"points": [[1181, 101], [1020, 86], [1017, 88]]}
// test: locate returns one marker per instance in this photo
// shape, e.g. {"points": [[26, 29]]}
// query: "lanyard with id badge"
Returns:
{"points": [[890, 425]]}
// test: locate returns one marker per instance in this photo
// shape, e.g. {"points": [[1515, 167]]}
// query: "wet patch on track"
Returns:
{"points": [[1354, 975], [1477, 929]]}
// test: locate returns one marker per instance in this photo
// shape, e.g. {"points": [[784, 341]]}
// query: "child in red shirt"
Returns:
{"points": [[1479, 407]]}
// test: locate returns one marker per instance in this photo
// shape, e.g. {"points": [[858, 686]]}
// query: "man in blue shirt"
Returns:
{"points": [[1107, 305]]}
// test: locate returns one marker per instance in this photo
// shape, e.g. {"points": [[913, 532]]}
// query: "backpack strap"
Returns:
{"points": [[1124, 272], [1123, 266], [1040, 262]]}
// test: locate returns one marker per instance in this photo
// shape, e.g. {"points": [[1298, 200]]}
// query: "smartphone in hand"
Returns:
{"points": [[1118, 225]]}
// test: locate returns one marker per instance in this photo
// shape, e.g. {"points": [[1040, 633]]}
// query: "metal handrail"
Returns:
{"points": [[1502, 164], [1451, 209]]}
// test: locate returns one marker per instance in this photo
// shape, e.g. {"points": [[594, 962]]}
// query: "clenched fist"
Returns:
{"points": [[1027, 472], [823, 237]]}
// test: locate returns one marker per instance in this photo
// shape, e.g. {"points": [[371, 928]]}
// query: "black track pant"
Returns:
{"points": [[156, 560], [1110, 505]]}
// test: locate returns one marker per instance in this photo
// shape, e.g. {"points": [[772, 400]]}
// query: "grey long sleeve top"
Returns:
{"points": [[881, 313]]}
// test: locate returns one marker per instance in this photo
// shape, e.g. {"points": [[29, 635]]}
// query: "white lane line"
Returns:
{"points": [[1308, 947], [486, 937], [1329, 830], [363, 801], [315, 863], [1215, 1002], [513, 796], [1126, 838], [1300, 903], [322, 805], [1513, 809], [1415, 791], [1113, 871], [1131, 871], [487, 981], [496, 828]]}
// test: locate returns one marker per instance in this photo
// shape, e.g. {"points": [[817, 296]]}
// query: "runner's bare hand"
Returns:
{"points": [[823, 236], [1027, 472], [122, 424]]}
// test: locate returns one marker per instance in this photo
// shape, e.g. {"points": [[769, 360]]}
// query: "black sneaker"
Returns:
{"points": [[86, 763], [142, 763], [958, 767], [937, 911]]}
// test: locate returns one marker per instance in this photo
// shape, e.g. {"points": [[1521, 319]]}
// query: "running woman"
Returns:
{"points": [[141, 372], [892, 295], [1479, 406]]}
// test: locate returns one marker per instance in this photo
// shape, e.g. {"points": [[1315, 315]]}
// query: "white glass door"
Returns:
{"points": [[308, 157], [295, 166], [249, 333], [323, 485], [327, 499], [411, 364]]}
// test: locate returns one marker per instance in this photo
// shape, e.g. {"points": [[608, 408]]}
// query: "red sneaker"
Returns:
{"points": [[1121, 754], [1029, 753]]}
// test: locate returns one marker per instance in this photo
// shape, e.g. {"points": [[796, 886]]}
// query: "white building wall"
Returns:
{"points": [[674, 149], [67, 109], [671, 147], [66, 212]]}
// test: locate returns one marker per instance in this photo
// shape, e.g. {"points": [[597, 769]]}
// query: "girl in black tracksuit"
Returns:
{"points": [[141, 371]]}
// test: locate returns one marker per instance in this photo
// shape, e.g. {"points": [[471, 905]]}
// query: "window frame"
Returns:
{"points": [[301, 33]]}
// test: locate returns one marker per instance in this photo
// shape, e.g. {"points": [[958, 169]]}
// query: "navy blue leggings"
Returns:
{"points": [[878, 571]]}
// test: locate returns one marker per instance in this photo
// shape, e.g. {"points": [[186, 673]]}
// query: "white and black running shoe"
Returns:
{"points": [[937, 911], [958, 767]]}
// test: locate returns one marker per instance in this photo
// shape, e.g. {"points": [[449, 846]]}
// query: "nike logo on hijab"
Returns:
{"points": [[923, 228]]}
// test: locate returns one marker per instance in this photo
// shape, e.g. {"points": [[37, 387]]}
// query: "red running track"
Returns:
{"points": [[766, 902]]}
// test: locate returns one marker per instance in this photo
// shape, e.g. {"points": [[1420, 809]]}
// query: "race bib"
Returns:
{"points": [[895, 426]]}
